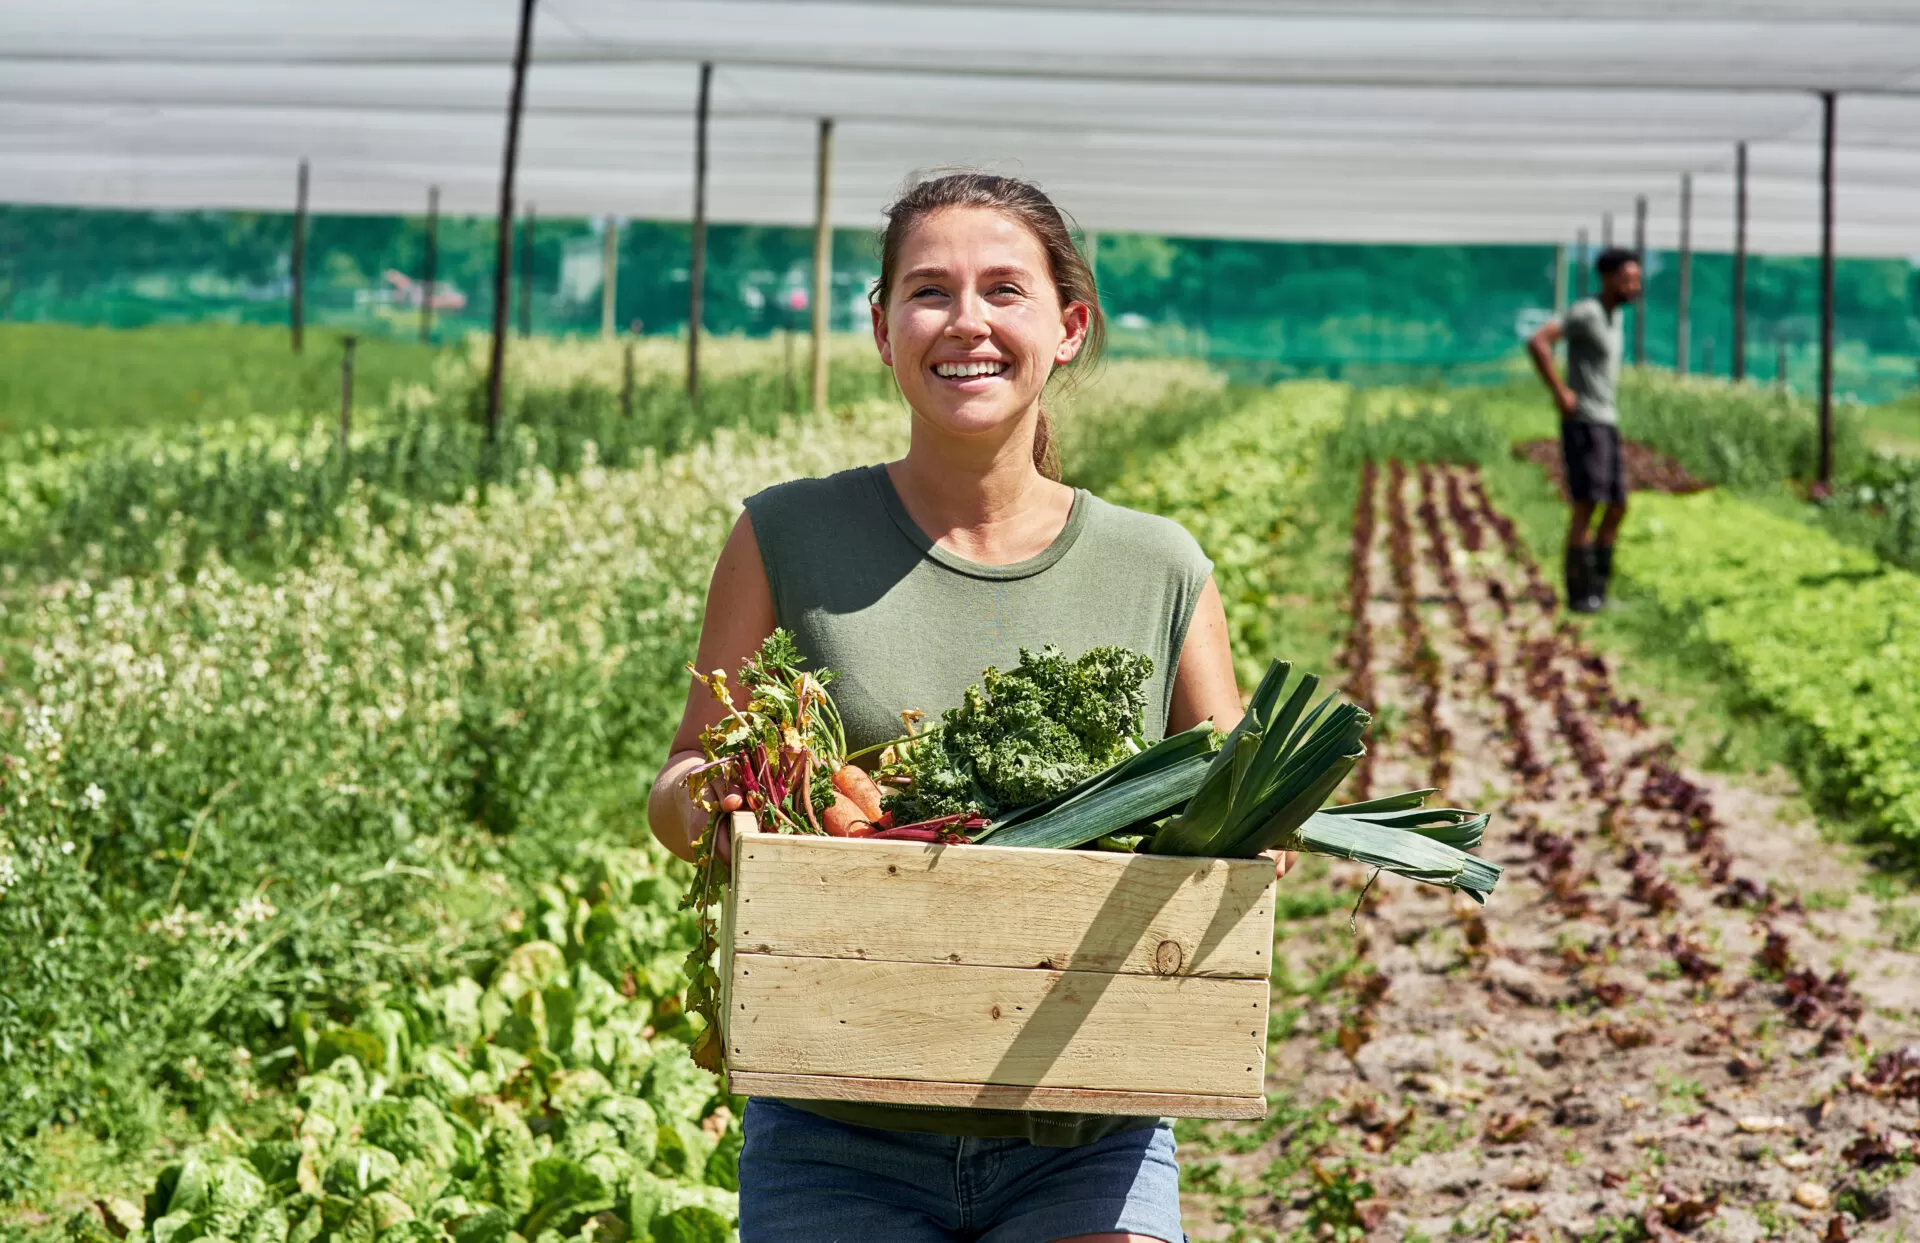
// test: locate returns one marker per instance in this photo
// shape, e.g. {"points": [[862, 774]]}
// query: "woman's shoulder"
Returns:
{"points": [[1153, 538], [812, 496]]}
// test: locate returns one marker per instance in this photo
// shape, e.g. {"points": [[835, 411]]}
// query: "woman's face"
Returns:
{"points": [[973, 324]]}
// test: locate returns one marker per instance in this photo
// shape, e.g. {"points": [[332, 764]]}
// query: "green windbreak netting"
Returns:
{"points": [[1267, 309]]}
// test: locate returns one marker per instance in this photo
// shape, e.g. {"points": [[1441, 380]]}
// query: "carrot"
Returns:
{"points": [[843, 817], [852, 781]]}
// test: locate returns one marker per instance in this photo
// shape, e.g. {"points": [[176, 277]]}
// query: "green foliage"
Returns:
{"points": [[1247, 487], [1739, 435], [267, 491], [1027, 734], [1824, 635], [1414, 426], [61, 379]]}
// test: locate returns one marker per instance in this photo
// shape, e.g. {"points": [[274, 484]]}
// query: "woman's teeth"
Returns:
{"points": [[961, 371]]}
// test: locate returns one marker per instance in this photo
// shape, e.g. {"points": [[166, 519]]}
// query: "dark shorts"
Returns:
{"points": [[1595, 471]]}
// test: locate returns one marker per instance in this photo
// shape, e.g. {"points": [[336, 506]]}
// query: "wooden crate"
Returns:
{"points": [[996, 977]]}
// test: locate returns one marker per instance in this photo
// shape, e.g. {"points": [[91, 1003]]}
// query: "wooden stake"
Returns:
{"points": [[822, 264], [1683, 306], [503, 235], [432, 263], [609, 274], [1640, 303], [697, 270], [1740, 261], [346, 397], [526, 270], [1826, 289], [298, 309]]}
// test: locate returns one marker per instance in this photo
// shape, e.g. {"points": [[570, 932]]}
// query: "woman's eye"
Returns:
{"points": [[1006, 289], [926, 290]]}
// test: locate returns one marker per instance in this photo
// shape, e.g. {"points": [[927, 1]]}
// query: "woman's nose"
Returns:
{"points": [[969, 318]]}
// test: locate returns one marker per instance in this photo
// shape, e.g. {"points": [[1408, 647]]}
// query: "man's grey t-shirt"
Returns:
{"points": [[1594, 344]]}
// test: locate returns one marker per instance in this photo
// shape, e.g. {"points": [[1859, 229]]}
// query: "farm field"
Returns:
{"points": [[326, 888]]}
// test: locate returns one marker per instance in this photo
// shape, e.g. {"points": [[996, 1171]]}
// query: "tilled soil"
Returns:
{"points": [[1648, 469], [1679, 1015]]}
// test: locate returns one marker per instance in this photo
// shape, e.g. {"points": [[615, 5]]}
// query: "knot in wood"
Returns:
{"points": [[1167, 957]]}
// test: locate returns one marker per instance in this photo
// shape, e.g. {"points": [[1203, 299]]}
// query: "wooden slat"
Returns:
{"points": [[1001, 1025], [1004, 907], [992, 1096]]}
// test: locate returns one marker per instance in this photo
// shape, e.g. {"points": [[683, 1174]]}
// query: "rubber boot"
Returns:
{"points": [[1578, 576], [1582, 593], [1602, 570]]}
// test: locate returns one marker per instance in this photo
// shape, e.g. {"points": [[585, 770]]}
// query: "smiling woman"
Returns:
{"points": [[908, 578]]}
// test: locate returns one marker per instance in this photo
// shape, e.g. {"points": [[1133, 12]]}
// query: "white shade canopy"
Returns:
{"points": [[1366, 120]]}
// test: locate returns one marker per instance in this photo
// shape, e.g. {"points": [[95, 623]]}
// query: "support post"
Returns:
{"points": [[503, 238], [1640, 303], [626, 380], [609, 275], [346, 396], [1683, 305], [1560, 281], [1739, 261], [1780, 360], [697, 269], [526, 270], [1825, 482], [430, 264], [822, 263], [1606, 230], [297, 310], [1581, 261]]}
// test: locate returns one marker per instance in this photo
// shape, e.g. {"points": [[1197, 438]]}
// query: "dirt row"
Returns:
{"points": [[1678, 1016]]}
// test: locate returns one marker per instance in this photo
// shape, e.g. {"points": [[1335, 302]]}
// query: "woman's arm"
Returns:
{"points": [[739, 617], [1204, 684]]}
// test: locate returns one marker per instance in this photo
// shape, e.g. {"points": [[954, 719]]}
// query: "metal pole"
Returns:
{"points": [[1640, 303], [346, 397], [1581, 260], [1826, 289], [1683, 305], [432, 263], [503, 236], [609, 274], [697, 270], [1780, 360], [526, 271], [1739, 261], [298, 309], [1606, 230], [822, 263]]}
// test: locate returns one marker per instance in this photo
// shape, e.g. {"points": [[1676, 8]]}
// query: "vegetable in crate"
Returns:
{"points": [[1263, 790], [782, 754], [1026, 735]]}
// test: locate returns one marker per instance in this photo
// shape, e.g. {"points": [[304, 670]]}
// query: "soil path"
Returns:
{"points": [[1681, 1014]]}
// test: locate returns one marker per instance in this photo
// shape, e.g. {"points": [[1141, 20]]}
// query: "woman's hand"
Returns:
{"points": [[1283, 861]]}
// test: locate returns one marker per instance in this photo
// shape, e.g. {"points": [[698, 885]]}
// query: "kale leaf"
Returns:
{"points": [[1025, 735]]}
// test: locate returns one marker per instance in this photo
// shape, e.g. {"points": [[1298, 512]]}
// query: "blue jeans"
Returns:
{"points": [[807, 1179]]}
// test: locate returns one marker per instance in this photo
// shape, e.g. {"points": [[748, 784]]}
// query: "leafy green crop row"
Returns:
{"points": [[1822, 633], [263, 492]]}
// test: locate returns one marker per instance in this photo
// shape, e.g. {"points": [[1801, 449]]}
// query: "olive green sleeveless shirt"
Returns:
{"points": [[905, 624]]}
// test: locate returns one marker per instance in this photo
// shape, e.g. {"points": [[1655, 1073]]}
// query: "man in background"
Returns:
{"points": [[1589, 421]]}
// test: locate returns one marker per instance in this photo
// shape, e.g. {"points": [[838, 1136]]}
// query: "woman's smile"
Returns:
{"points": [[973, 373]]}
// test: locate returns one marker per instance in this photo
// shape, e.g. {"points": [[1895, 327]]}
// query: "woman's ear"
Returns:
{"points": [[1075, 318], [880, 338]]}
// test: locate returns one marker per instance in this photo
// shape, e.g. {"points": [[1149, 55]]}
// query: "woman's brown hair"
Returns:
{"points": [[1024, 202]]}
